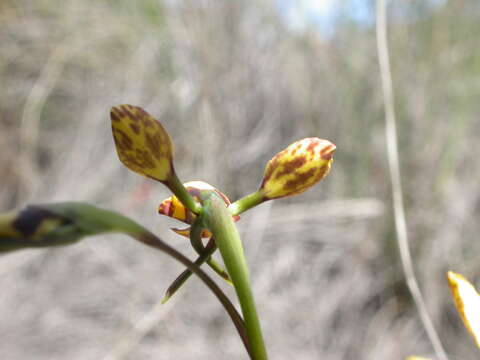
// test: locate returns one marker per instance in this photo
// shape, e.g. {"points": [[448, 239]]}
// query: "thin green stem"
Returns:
{"points": [[182, 194], [196, 240], [219, 221], [150, 239], [185, 275], [84, 220], [247, 202]]}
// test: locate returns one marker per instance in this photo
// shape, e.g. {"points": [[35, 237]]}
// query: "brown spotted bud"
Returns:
{"points": [[467, 302], [173, 208], [298, 167], [143, 145], [51, 225]]}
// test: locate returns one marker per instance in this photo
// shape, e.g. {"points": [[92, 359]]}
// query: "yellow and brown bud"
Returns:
{"points": [[50, 225], [298, 167], [467, 302], [174, 208], [143, 145]]}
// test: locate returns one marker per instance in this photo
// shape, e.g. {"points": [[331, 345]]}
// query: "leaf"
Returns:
{"points": [[467, 302], [143, 145]]}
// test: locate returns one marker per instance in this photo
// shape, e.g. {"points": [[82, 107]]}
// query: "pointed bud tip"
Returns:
{"points": [[328, 151]]}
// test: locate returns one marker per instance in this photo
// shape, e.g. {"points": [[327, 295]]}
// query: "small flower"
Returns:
{"points": [[296, 168], [143, 145], [467, 302], [173, 208]]}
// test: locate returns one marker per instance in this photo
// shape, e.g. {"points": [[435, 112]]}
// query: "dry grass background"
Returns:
{"points": [[234, 85]]}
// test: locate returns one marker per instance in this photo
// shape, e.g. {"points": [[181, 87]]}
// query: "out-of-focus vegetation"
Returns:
{"points": [[233, 84]]}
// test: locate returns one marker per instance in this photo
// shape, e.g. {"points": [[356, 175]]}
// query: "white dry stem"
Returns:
{"points": [[394, 167], [141, 328], [30, 125]]}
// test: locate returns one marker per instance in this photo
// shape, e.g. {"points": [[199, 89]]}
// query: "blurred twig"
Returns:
{"points": [[30, 125], [141, 328], [394, 166]]}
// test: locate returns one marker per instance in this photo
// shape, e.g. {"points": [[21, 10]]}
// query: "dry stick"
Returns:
{"points": [[141, 328], [393, 162], [30, 123]]}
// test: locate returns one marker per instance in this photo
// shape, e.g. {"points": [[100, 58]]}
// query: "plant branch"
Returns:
{"points": [[394, 168], [176, 186], [66, 223], [146, 237], [219, 221]]}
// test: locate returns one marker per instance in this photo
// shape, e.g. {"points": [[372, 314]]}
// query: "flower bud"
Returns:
{"points": [[143, 145], [467, 302], [51, 225], [173, 208], [296, 168]]}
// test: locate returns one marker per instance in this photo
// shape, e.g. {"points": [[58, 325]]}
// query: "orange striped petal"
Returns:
{"points": [[143, 145], [172, 207], [467, 302], [298, 167]]}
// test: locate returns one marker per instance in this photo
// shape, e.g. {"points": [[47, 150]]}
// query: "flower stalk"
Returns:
{"points": [[67, 223], [219, 221]]}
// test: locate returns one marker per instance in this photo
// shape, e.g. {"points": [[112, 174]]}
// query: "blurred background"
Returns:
{"points": [[234, 82]]}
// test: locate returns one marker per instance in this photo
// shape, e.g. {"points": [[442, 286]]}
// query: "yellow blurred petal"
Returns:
{"points": [[298, 167], [417, 358], [467, 302], [143, 145]]}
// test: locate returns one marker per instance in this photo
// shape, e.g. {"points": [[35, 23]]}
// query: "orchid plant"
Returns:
{"points": [[144, 146]]}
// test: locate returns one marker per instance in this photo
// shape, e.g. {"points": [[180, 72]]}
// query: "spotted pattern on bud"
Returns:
{"points": [[467, 302], [298, 167], [31, 227], [173, 208], [143, 145], [50, 225]]}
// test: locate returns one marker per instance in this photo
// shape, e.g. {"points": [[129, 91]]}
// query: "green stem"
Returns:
{"points": [[247, 202], [185, 275], [150, 239], [85, 220], [196, 241], [182, 194], [219, 221]]}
